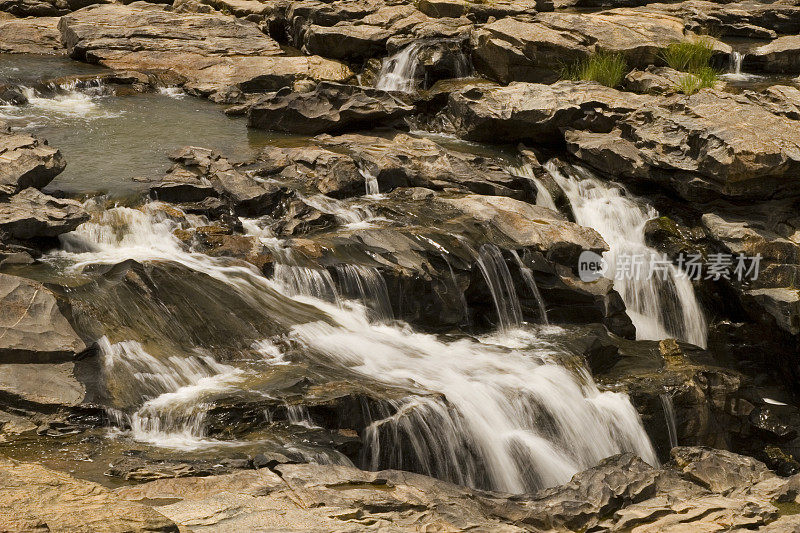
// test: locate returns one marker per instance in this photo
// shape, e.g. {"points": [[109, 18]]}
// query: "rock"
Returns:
{"points": [[329, 107], [735, 19], [782, 304], [40, 384], [696, 146], [33, 328], [779, 56], [35, 498], [208, 53], [27, 162], [349, 42], [334, 498], [779, 99], [200, 173], [719, 471], [31, 213], [514, 50], [531, 111], [652, 80], [38, 35]]}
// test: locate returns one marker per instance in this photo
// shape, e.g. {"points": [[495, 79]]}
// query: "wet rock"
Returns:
{"points": [[140, 468], [33, 328], [27, 162], [35, 498], [536, 51], [38, 35], [200, 173], [696, 145], [208, 53], [530, 111], [31, 213], [329, 107]]}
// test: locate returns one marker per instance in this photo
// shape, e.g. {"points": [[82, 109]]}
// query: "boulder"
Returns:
{"points": [[38, 35], [27, 162], [328, 107], [719, 471], [781, 56], [697, 146], [536, 51], [535, 112], [348, 42], [31, 213], [652, 80], [32, 327], [201, 173], [42, 385], [209, 53], [35, 498]]}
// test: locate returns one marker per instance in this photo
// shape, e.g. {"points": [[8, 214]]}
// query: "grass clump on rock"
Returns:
{"points": [[606, 68], [689, 56], [693, 58]]}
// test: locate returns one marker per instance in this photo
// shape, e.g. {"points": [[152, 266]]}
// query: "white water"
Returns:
{"points": [[669, 417], [659, 308], [543, 196], [527, 275], [399, 72], [70, 101], [735, 69], [498, 412]]}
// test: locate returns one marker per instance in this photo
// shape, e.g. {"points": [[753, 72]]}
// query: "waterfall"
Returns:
{"points": [[498, 412], [736, 59], [370, 182], [543, 196], [659, 308], [366, 285], [669, 417], [398, 72], [163, 400], [501, 286], [527, 275]]}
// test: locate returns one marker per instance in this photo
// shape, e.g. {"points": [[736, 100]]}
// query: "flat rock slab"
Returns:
{"points": [[703, 145], [42, 384], [30, 36], [328, 107], [26, 161], [35, 498], [32, 328], [31, 213], [207, 53], [533, 111], [515, 50]]}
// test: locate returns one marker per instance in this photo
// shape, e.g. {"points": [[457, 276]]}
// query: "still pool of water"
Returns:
{"points": [[109, 140]]}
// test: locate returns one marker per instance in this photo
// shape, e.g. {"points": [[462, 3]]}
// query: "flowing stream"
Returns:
{"points": [[400, 71], [502, 411], [660, 303]]}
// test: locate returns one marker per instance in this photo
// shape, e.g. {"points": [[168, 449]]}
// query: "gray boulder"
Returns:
{"points": [[31, 213], [329, 107], [27, 162]]}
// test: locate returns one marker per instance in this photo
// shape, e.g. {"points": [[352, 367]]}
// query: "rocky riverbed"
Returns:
{"points": [[319, 265]]}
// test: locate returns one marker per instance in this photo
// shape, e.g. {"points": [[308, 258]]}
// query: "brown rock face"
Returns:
{"points": [[32, 328], [27, 162]]}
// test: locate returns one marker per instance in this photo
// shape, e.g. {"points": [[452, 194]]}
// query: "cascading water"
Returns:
{"points": [[661, 303], [527, 275], [543, 196], [736, 63], [501, 286], [500, 412], [669, 417], [400, 71]]}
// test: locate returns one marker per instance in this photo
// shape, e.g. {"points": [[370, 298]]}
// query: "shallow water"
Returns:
{"points": [[108, 140]]}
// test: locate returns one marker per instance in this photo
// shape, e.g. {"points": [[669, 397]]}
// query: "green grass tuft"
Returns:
{"points": [[702, 78], [606, 68], [689, 56]]}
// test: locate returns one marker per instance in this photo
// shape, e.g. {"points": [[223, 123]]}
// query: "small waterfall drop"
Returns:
{"points": [[501, 286], [399, 71], [736, 59], [669, 417], [543, 196], [527, 275], [659, 308]]}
